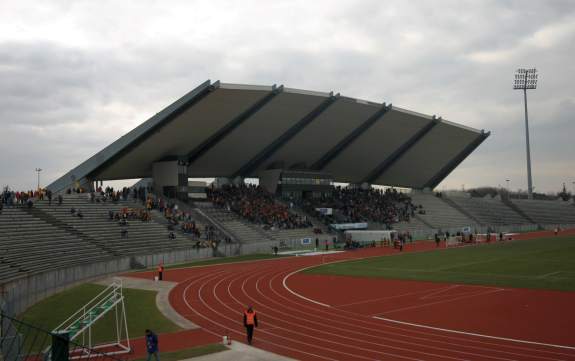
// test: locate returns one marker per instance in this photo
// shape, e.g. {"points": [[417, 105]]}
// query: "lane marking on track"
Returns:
{"points": [[228, 329], [370, 332], [388, 297], [356, 356], [422, 326], [353, 345], [323, 305], [297, 294], [225, 305], [435, 293], [481, 293], [401, 331], [475, 334]]}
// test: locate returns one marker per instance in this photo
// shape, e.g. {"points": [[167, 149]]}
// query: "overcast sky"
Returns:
{"points": [[76, 75]]}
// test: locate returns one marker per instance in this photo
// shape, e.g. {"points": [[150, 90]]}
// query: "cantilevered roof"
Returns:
{"points": [[230, 130]]}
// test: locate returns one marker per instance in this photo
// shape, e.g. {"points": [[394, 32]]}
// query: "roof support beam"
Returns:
{"points": [[345, 142], [263, 155], [453, 163], [215, 138], [399, 152], [145, 130]]}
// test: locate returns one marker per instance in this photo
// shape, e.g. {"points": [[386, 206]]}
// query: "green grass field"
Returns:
{"points": [[141, 312], [547, 263]]}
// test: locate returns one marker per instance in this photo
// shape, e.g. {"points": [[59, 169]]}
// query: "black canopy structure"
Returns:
{"points": [[234, 130]]}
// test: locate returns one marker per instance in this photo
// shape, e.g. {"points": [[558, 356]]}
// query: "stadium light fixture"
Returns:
{"points": [[38, 170], [526, 79]]}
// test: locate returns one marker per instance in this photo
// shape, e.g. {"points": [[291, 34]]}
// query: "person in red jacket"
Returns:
{"points": [[250, 321], [161, 272]]}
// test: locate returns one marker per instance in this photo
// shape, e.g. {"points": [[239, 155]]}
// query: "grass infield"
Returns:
{"points": [[50, 312], [546, 263]]}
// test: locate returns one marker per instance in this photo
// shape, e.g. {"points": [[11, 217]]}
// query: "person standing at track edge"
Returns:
{"points": [[250, 321], [152, 345], [160, 271]]}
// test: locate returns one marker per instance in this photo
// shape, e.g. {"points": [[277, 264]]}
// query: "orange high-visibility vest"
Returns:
{"points": [[250, 317]]}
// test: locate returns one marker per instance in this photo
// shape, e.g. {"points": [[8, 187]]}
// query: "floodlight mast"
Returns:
{"points": [[526, 79]]}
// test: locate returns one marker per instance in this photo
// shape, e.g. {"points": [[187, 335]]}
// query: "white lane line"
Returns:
{"points": [[400, 332], [285, 329], [389, 297], [481, 293], [297, 294], [432, 294], [357, 340], [229, 329], [334, 336], [322, 304], [475, 334]]}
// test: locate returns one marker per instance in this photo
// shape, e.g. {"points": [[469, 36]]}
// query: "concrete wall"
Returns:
{"points": [[22, 293], [164, 174], [269, 179]]}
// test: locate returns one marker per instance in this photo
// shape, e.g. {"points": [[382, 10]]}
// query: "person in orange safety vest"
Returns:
{"points": [[250, 321]]}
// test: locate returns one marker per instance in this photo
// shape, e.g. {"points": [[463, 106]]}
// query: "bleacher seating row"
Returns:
{"points": [[547, 212], [464, 211], [47, 237], [248, 232], [29, 235]]}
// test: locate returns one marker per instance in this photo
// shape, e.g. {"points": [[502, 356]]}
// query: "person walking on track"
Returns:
{"points": [[152, 345], [250, 321]]}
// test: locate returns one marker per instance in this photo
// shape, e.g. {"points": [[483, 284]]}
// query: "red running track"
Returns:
{"points": [[214, 297]]}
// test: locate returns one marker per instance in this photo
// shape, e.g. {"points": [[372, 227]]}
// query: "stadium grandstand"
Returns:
{"points": [[324, 164], [301, 146]]}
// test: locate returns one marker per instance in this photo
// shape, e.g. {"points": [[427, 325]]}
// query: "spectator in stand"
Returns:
{"points": [[256, 205], [353, 205]]}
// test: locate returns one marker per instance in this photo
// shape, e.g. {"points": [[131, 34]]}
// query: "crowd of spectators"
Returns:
{"points": [[352, 205], [257, 206], [10, 198], [206, 236], [129, 214]]}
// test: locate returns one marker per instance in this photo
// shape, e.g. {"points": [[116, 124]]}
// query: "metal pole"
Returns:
{"points": [[529, 180], [38, 170]]}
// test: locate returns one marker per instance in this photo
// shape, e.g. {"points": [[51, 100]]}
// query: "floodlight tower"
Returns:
{"points": [[526, 79], [38, 170]]}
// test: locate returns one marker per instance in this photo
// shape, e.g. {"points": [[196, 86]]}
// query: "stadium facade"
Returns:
{"points": [[237, 131]]}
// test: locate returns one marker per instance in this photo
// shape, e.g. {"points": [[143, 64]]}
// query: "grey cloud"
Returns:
{"points": [[61, 102]]}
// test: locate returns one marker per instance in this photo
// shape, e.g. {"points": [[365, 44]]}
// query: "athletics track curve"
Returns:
{"points": [[214, 297]]}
